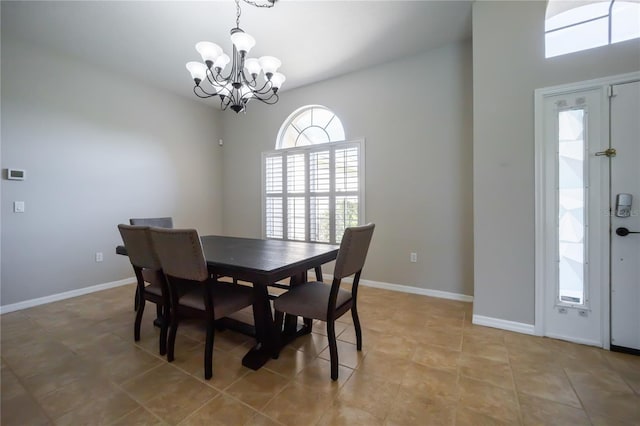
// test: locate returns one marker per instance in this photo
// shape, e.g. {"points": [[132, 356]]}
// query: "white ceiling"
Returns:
{"points": [[316, 40]]}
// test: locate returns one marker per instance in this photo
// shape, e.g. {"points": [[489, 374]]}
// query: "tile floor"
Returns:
{"points": [[74, 362]]}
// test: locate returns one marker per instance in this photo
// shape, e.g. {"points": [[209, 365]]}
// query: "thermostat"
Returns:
{"points": [[16, 174]]}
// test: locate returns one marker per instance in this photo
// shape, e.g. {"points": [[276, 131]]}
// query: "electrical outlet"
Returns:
{"points": [[99, 257], [413, 257]]}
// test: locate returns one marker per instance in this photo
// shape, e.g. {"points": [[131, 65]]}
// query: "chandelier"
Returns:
{"points": [[241, 84]]}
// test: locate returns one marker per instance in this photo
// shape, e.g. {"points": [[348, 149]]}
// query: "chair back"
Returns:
{"points": [[137, 241], [180, 253], [157, 222], [353, 250]]}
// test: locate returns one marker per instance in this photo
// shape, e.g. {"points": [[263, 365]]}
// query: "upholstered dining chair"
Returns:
{"points": [[159, 222], [193, 291], [327, 302], [146, 266]]}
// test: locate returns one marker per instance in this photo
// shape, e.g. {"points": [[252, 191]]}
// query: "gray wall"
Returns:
{"points": [[98, 148], [415, 115], [508, 65]]}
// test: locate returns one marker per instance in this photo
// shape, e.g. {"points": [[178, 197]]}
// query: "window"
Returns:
{"points": [[572, 26], [571, 206], [310, 125], [313, 186]]}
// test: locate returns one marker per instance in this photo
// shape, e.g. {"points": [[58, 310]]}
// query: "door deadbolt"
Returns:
{"points": [[611, 152]]}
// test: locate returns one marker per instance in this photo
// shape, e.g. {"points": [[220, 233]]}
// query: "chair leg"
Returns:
{"points": [[278, 322], [159, 313], [356, 324], [171, 341], [138, 321], [164, 328], [208, 350], [333, 348], [136, 300]]}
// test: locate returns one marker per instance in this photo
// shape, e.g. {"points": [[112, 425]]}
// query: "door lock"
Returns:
{"points": [[623, 232], [611, 152]]}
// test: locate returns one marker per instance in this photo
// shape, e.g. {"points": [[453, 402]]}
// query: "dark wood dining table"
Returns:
{"points": [[263, 263]]}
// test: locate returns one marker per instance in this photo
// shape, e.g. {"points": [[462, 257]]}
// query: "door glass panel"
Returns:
{"points": [[571, 206]]}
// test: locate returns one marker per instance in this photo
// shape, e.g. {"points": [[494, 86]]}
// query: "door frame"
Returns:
{"points": [[542, 263]]}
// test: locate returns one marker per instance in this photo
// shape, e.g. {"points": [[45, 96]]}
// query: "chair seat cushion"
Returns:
{"points": [[310, 300], [154, 289], [152, 276], [227, 298]]}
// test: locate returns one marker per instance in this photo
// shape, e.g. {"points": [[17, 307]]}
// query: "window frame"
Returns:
{"points": [[608, 16], [289, 122], [307, 194]]}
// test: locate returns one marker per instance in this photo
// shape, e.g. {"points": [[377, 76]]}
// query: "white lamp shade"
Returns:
{"points": [[198, 70], [277, 79], [269, 64], [222, 61], [252, 65], [209, 51], [243, 41]]}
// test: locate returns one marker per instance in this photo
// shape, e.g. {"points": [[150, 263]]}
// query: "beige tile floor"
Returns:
{"points": [[74, 362]]}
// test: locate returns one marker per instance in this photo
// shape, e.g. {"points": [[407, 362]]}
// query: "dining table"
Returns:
{"points": [[265, 263]]}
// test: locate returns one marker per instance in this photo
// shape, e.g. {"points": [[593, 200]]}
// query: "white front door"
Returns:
{"points": [[587, 153], [575, 225], [625, 217]]}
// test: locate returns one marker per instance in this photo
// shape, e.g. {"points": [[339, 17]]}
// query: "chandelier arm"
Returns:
{"points": [[249, 82], [271, 100], [216, 79], [233, 98], [263, 98], [218, 82], [205, 93], [224, 105], [266, 88]]}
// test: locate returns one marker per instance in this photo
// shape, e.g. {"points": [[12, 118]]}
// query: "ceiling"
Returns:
{"points": [[316, 40]]}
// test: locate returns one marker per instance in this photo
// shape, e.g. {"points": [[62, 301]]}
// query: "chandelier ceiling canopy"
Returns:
{"points": [[242, 83]]}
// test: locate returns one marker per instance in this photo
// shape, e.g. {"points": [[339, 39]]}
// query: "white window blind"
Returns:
{"points": [[313, 193]]}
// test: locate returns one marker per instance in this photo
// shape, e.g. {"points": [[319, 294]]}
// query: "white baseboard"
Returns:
{"points": [[367, 283], [61, 296], [413, 290], [518, 327], [574, 340]]}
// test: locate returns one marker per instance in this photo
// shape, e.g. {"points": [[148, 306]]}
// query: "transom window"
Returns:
{"points": [[312, 186], [310, 125], [572, 26]]}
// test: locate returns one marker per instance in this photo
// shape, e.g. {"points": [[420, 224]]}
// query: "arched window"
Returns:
{"points": [[575, 25], [313, 183], [310, 125]]}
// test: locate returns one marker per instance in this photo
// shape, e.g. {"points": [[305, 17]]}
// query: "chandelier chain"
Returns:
{"points": [[268, 4], [238, 13]]}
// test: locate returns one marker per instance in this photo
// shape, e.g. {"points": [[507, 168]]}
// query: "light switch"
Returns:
{"points": [[18, 206]]}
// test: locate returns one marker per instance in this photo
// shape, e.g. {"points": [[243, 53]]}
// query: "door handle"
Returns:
{"points": [[623, 232]]}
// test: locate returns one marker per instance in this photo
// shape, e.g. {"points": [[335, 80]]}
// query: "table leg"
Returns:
{"points": [[266, 336]]}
